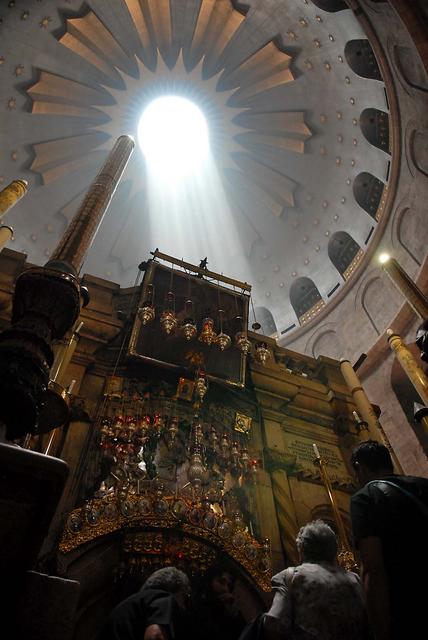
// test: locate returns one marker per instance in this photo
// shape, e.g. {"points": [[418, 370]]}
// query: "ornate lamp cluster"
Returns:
{"points": [[188, 328], [131, 442]]}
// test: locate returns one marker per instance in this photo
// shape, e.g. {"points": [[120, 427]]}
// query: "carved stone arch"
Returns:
{"points": [[328, 343], [332, 6], [380, 302], [412, 233], [304, 297], [368, 192], [369, 287], [342, 250], [266, 319], [419, 149], [374, 125], [410, 67], [362, 60], [109, 570]]}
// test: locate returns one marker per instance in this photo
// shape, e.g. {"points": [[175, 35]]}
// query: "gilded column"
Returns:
{"points": [[406, 286], [361, 400], [76, 241], [12, 194], [413, 371], [6, 234]]}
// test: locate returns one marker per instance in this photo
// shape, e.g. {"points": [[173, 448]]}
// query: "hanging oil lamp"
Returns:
{"points": [[235, 466], [207, 335], [118, 425], [241, 339], [158, 425], [242, 342], [213, 439], [201, 384], [188, 329], [262, 353], [146, 313], [197, 472], [172, 431], [168, 319], [222, 340]]}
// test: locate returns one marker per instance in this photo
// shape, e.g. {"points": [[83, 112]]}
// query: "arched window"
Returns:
{"points": [[360, 57], [330, 5], [266, 319], [304, 298], [342, 249], [368, 192], [375, 127]]}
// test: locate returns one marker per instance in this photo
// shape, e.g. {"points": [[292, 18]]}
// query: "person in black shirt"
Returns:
{"points": [[153, 612], [390, 527], [214, 614]]}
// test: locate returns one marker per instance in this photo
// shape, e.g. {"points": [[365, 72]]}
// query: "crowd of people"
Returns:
{"points": [[318, 599]]}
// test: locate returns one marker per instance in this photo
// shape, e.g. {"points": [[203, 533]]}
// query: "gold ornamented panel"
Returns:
{"points": [[139, 513]]}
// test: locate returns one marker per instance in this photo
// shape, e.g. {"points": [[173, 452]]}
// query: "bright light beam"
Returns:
{"points": [[189, 213], [173, 136]]}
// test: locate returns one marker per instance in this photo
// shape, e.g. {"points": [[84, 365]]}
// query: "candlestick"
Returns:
{"points": [[345, 550]]}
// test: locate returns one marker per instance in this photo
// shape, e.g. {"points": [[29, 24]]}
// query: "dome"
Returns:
{"points": [[303, 130]]}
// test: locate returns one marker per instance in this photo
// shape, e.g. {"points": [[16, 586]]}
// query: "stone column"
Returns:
{"points": [[407, 287], [361, 400], [414, 372], [76, 241]]}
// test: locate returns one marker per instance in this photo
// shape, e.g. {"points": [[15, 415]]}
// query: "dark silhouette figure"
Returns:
{"points": [[214, 614], [153, 613], [390, 526]]}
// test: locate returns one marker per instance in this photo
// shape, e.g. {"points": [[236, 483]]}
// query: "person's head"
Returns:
{"points": [[172, 580], [219, 580], [317, 542], [370, 461]]}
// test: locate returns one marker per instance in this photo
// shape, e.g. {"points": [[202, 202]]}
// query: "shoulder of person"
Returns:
{"points": [[282, 579]]}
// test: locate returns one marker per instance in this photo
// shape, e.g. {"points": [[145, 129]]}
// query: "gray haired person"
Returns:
{"points": [[317, 599], [153, 612]]}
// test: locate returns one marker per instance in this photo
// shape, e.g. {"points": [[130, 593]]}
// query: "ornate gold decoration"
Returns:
{"points": [[207, 335], [262, 353], [242, 423], [103, 516], [11, 194], [44, 23]]}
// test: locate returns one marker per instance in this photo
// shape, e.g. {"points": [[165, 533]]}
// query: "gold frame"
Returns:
{"points": [[132, 352]]}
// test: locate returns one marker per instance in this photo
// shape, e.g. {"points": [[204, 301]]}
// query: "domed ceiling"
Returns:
{"points": [[299, 131]]}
